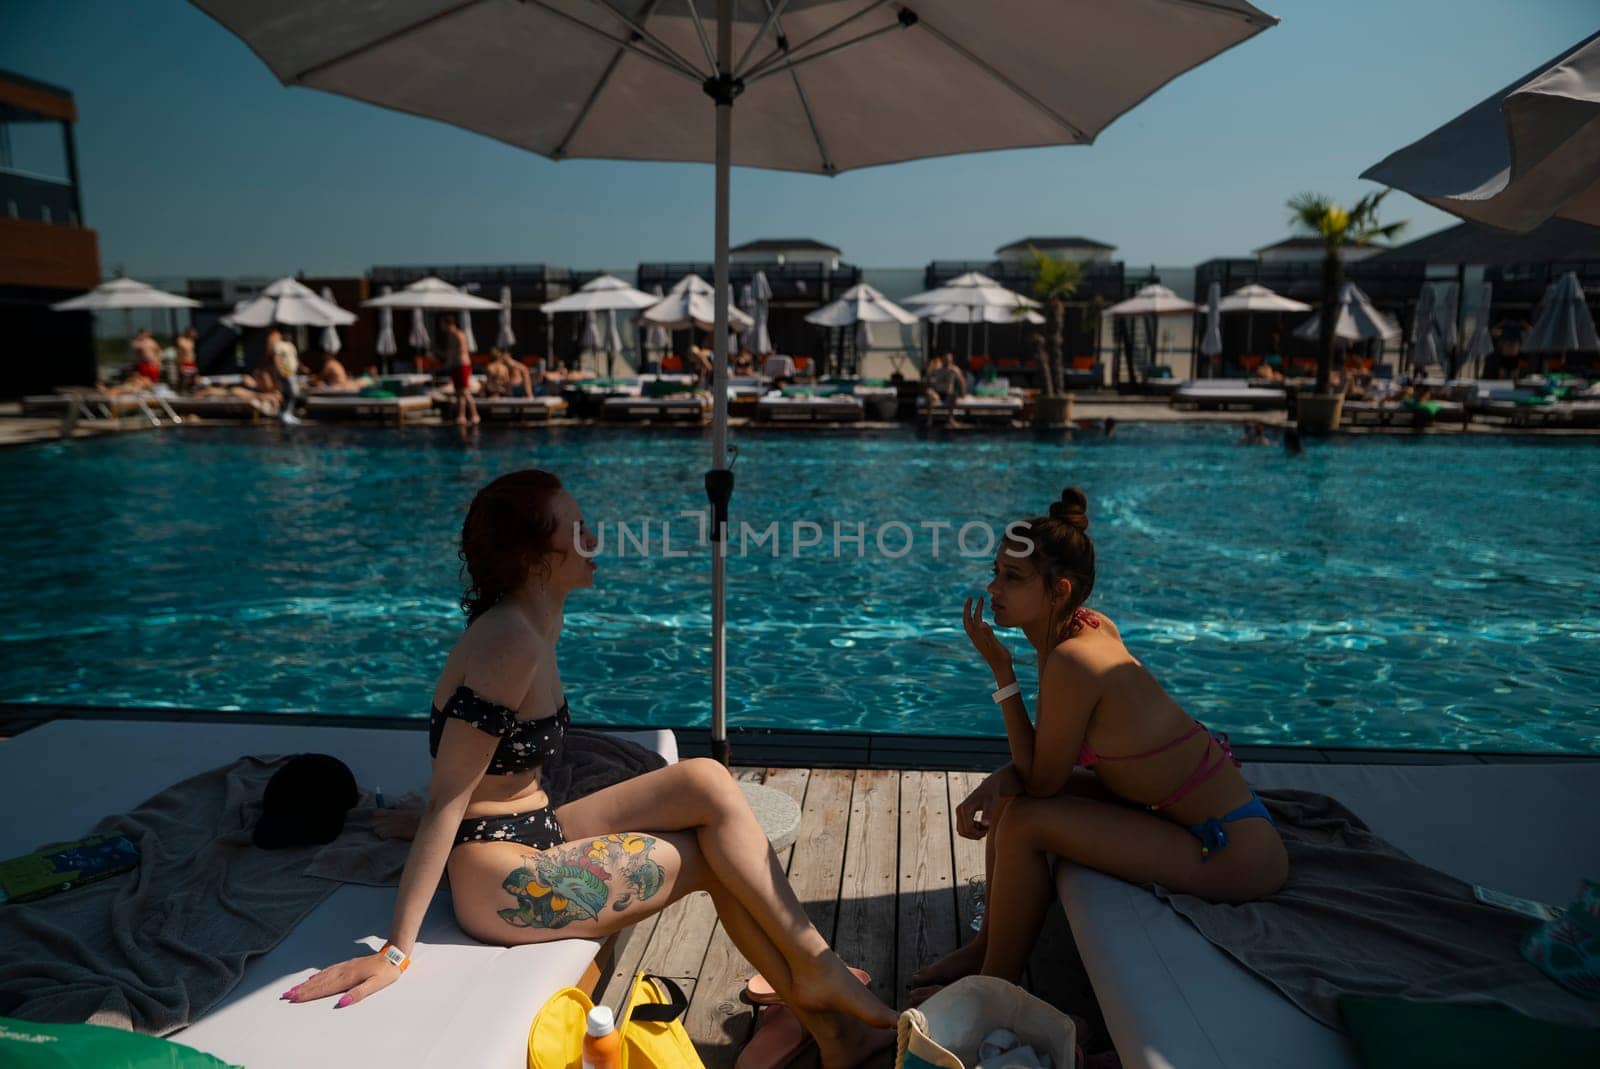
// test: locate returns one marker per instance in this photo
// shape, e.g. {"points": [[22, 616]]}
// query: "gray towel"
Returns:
{"points": [[154, 949], [1359, 917]]}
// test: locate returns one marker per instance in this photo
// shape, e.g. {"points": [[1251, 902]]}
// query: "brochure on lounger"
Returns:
{"points": [[63, 866]]}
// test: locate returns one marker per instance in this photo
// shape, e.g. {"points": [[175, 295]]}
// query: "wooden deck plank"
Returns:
{"points": [[865, 926], [717, 1022], [817, 865], [969, 864], [927, 901]]}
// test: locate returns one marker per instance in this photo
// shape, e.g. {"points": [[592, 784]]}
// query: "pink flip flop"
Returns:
{"points": [[779, 1040], [759, 991]]}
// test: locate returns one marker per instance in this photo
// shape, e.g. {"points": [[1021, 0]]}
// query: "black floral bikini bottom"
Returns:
{"points": [[537, 828]]}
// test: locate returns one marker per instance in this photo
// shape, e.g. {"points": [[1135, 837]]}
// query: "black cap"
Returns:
{"points": [[305, 802]]}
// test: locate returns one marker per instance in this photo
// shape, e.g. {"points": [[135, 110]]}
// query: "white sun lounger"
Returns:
{"points": [[93, 404], [355, 407], [1172, 1000], [463, 1004], [677, 408], [836, 408], [1227, 393]]}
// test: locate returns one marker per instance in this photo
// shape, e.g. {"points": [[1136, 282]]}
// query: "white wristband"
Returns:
{"points": [[1005, 692]]}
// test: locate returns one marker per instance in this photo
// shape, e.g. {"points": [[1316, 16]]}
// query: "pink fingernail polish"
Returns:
{"points": [[342, 1003]]}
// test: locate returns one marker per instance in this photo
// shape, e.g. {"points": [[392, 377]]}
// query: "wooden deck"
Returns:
{"points": [[884, 878]]}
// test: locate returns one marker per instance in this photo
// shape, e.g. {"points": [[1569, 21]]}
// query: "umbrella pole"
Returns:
{"points": [[719, 480]]}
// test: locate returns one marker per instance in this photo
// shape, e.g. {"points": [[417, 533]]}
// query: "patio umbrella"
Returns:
{"points": [[1356, 320], [971, 290], [464, 319], [289, 303], [602, 293], [1521, 156], [1211, 344], [1255, 298], [122, 294], [385, 346], [860, 303], [1424, 331], [329, 342], [693, 302], [506, 338], [1153, 299], [434, 295], [1480, 346], [1564, 324], [760, 306], [823, 86]]}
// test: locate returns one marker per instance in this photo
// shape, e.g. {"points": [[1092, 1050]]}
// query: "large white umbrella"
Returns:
{"points": [[1521, 156], [973, 289], [1480, 346], [1152, 300], [506, 337], [290, 303], [386, 346], [1211, 343], [1424, 331], [860, 303], [122, 294], [987, 313], [1355, 319], [329, 342], [1255, 298], [603, 293], [821, 87], [1564, 324], [432, 294], [761, 309], [694, 302]]}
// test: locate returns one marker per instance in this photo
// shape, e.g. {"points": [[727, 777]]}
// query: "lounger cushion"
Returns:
{"points": [[1172, 999], [463, 1003]]}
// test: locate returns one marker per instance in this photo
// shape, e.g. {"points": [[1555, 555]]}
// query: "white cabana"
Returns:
{"points": [[1253, 299], [505, 337], [290, 303], [1565, 324], [1524, 155], [657, 339], [603, 293], [123, 294], [434, 295], [329, 341], [645, 81], [1152, 300], [1354, 319]]}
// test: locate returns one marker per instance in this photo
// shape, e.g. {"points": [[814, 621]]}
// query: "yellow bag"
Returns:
{"points": [[651, 1025]]}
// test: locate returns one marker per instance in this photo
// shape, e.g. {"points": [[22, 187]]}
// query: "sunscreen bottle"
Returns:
{"points": [[602, 1043]]}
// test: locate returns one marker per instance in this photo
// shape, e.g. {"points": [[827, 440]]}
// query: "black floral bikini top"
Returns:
{"points": [[524, 744]]}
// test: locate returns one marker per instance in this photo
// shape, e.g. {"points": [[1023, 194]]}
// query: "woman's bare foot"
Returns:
{"points": [[845, 1042], [964, 961], [826, 986]]}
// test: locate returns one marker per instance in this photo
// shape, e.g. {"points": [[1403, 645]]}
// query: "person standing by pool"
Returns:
{"points": [[458, 361], [187, 366], [1111, 774], [284, 359], [523, 870]]}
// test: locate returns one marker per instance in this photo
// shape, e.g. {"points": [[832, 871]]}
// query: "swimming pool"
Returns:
{"points": [[1429, 592]]}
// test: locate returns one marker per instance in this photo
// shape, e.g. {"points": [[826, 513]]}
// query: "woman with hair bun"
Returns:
{"points": [[1111, 773], [525, 871]]}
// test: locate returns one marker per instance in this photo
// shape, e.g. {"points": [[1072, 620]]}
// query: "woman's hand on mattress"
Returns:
{"points": [[354, 980], [990, 648]]}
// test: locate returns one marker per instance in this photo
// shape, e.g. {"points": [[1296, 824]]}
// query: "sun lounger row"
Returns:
{"points": [[1216, 394]]}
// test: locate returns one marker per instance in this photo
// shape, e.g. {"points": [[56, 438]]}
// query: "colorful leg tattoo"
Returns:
{"points": [[576, 881]]}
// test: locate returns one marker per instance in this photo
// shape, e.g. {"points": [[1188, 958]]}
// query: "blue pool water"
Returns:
{"points": [[1435, 592]]}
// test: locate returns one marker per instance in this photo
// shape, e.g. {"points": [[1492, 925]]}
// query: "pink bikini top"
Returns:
{"points": [[1087, 758]]}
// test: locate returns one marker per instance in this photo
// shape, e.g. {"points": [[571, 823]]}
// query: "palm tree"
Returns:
{"points": [[1337, 226], [1054, 283]]}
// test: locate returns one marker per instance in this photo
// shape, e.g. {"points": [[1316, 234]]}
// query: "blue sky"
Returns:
{"points": [[194, 160]]}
